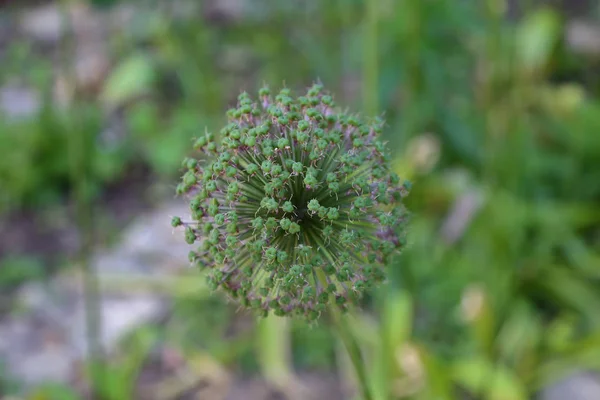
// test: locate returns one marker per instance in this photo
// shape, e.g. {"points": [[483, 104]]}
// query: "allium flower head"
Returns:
{"points": [[295, 206]]}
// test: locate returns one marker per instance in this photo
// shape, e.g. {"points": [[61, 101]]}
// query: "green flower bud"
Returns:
{"points": [[258, 223], [287, 207], [190, 236], [252, 168], [310, 180], [313, 205], [294, 228], [285, 224], [175, 222]]}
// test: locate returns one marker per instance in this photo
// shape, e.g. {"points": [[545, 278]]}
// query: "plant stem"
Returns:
{"points": [[79, 153], [350, 343], [274, 351], [353, 350], [370, 60]]}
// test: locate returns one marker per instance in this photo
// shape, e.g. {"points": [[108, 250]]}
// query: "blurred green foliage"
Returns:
{"points": [[496, 122]]}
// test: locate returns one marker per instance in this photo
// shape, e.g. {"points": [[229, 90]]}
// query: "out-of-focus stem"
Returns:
{"points": [[79, 160], [371, 59], [274, 350], [350, 344], [353, 351]]}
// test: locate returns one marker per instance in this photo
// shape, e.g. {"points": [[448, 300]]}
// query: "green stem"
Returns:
{"points": [[371, 62], [350, 343], [274, 351], [353, 350], [79, 153]]}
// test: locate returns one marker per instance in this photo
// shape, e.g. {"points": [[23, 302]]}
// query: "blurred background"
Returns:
{"points": [[493, 112]]}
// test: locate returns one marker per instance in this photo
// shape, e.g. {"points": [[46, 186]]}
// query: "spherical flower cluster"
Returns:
{"points": [[295, 207]]}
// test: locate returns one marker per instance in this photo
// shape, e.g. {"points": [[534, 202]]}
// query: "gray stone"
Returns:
{"points": [[45, 338], [583, 37], [18, 102], [229, 10], [579, 386], [43, 23], [460, 216]]}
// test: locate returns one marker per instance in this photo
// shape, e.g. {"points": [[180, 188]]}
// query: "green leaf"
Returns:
{"points": [[18, 269], [53, 391], [397, 318], [569, 290], [519, 336], [438, 384], [537, 37], [132, 78], [481, 377], [580, 355]]}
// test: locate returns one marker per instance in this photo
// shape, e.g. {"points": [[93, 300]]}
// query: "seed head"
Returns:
{"points": [[295, 207]]}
